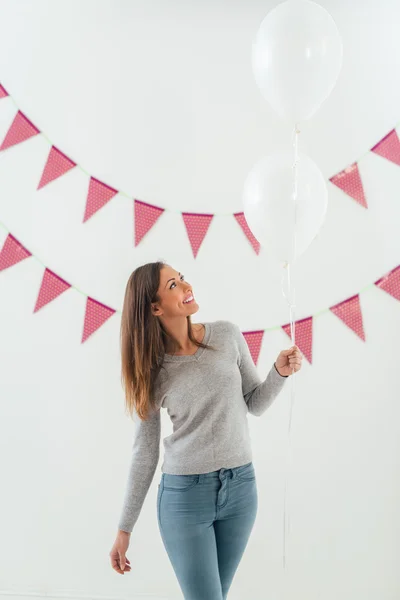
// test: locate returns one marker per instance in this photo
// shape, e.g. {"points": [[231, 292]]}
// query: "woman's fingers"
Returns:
{"points": [[115, 564], [295, 359]]}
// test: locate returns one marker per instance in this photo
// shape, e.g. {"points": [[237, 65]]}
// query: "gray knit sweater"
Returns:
{"points": [[207, 396]]}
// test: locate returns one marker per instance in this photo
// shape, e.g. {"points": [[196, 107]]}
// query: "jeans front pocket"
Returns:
{"points": [[246, 472], [179, 483]]}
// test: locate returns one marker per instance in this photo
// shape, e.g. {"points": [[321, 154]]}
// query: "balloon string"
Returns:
{"points": [[290, 298]]}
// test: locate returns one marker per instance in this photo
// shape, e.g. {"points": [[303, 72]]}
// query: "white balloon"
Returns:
{"points": [[269, 205], [297, 57]]}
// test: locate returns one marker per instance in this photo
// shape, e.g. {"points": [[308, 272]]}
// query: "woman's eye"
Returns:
{"points": [[175, 283]]}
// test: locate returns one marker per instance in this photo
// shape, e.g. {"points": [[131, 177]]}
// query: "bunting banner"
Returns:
{"points": [[145, 215], [96, 313]]}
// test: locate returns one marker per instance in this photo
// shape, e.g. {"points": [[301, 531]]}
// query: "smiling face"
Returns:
{"points": [[172, 291]]}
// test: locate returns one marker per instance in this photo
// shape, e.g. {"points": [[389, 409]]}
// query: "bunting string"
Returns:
{"points": [[146, 214], [348, 311]]}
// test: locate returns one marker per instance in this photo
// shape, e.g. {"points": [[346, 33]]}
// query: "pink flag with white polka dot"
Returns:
{"points": [[145, 215], [349, 311], [241, 219], [12, 253], [303, 336], [21, 129], [3, 92], [98, 195], [57, 164], [254, 341], [197, 225], [349, 181], [96, 314], [51, 287], [389, 147], [390, 283]]}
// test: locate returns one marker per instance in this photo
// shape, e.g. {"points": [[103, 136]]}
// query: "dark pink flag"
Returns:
{"points": [[241, 219], [145, 217], [96, 314], [98, 195], [254, 341], [349, 311], [21, 129], [57, 164], [196, 225], [389, 147], [349, 181], [52, 286], [390, 283], [12, 253]]}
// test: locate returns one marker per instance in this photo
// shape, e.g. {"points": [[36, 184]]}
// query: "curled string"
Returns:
{"points": [[289, 296]]}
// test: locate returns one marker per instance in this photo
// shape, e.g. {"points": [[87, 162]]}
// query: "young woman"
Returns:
{"points": [[203, 374]]}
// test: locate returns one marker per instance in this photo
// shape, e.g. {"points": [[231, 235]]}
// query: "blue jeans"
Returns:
{"points": [[205, 522]]}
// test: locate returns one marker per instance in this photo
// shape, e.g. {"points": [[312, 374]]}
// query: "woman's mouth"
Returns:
{"points": [[189, 300]]}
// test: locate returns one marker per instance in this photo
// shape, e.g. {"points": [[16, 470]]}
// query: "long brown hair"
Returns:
{"points": [[143, 339]]}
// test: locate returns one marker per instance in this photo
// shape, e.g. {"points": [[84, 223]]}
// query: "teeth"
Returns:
{"points": [[188, 300]]}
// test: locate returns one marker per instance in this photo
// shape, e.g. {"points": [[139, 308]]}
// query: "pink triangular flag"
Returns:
{"points": [[12, 253], [3, 92], [254, 342], [96, 314], [349, 311], [303, 336], [21, 129], [145, 217], [197, 225], [241, 219], [98, 195], [389, 147], [52, 286], [349, 180], [390, 283], [57, 164]]}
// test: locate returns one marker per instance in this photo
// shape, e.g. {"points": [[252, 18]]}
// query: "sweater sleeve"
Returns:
{"points": [[143, 463], [258, 394]]}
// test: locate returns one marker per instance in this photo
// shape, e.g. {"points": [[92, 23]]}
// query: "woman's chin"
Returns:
{"points": [[193, 307]]}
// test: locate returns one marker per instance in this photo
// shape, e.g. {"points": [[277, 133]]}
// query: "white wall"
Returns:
{"points": [[158, 100]]}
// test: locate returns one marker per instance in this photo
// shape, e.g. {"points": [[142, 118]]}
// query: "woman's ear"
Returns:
{"points": [[155, 309]]}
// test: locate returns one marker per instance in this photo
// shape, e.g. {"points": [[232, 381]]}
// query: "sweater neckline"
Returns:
{"points": [[196, 355]]}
